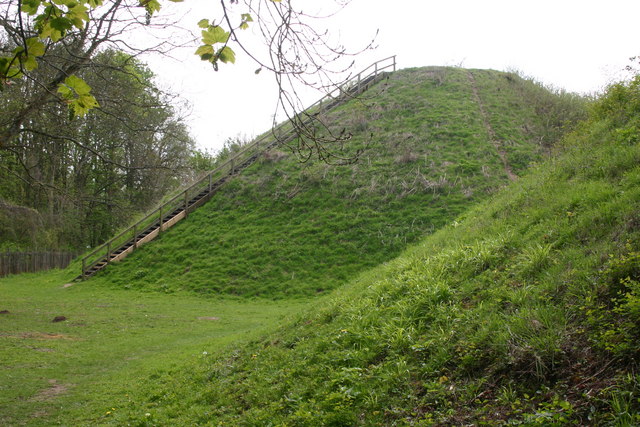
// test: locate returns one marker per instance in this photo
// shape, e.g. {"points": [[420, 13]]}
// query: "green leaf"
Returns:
{"points": [[78, 23], [205, 50], [30, 7], [226, 54], [214, 34], [78, 96], [61, 24], [4, 67], [78, 14], [45, 31], [9, 69], [151, 6], [18, 51], [52, 33], [203, 23], [246, 18], [82, 105], [29, 63], [65, 91], [94, 3], [35, 47], [78, 85]]}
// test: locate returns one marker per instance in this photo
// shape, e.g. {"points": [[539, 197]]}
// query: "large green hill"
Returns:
{"points": [[473, 271], [522, 311], [434, 141]]}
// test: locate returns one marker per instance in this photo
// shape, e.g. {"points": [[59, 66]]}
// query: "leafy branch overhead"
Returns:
{"points": [[50, 41], [52, 20], [77, 94], [214, 44]]}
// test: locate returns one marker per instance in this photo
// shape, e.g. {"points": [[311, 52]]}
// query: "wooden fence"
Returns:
{"points": [[29, 262]]}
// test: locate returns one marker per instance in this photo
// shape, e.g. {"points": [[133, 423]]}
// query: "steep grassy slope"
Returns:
{"points": [[524, 311], [434, 143]]}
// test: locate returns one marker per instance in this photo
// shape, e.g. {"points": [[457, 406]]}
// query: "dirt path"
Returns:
{"points": [[492, 135]]}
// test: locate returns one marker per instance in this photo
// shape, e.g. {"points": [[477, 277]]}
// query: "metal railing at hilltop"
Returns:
{"points": [[184, 201], [356, 82]]}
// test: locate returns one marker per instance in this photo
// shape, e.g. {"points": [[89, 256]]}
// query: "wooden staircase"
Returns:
{"points": [[179, 207]]}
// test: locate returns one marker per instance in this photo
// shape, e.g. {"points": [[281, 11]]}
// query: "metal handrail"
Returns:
{"points": [[207, 180]]}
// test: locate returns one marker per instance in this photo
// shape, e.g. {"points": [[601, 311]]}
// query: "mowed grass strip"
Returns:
{"points": [[88, 361]]}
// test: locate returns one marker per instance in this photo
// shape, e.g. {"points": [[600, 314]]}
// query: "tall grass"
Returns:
{"points": [[285, 228], [522, 311]]}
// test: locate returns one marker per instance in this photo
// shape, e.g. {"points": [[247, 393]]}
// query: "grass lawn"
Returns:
{"points": [[83, 367]]}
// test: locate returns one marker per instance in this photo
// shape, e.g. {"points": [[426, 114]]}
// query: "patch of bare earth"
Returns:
{"points": [[47, 394], [54, 390]]}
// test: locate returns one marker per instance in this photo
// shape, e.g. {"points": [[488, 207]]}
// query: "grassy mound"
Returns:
{"points": [[524, 311], [435, 141]]}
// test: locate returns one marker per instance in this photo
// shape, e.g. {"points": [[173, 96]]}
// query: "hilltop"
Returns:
{"points": [[434, 142]]}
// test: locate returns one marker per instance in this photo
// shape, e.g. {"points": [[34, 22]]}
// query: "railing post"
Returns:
{"points": [[160, 218], [185, 204], [109, 252], [210, 179], [135, 238], [84, 268], [232, 166], [394, 62], [375, 73]]}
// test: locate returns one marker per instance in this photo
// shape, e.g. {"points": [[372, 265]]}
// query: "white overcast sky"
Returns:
{"points": [[578, 45]]}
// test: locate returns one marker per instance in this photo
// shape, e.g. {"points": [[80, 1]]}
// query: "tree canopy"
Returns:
{"points": [[64, 35], [83, 128]]}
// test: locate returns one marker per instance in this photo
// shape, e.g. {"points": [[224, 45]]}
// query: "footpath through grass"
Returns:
{"points": [[84, 367]]}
